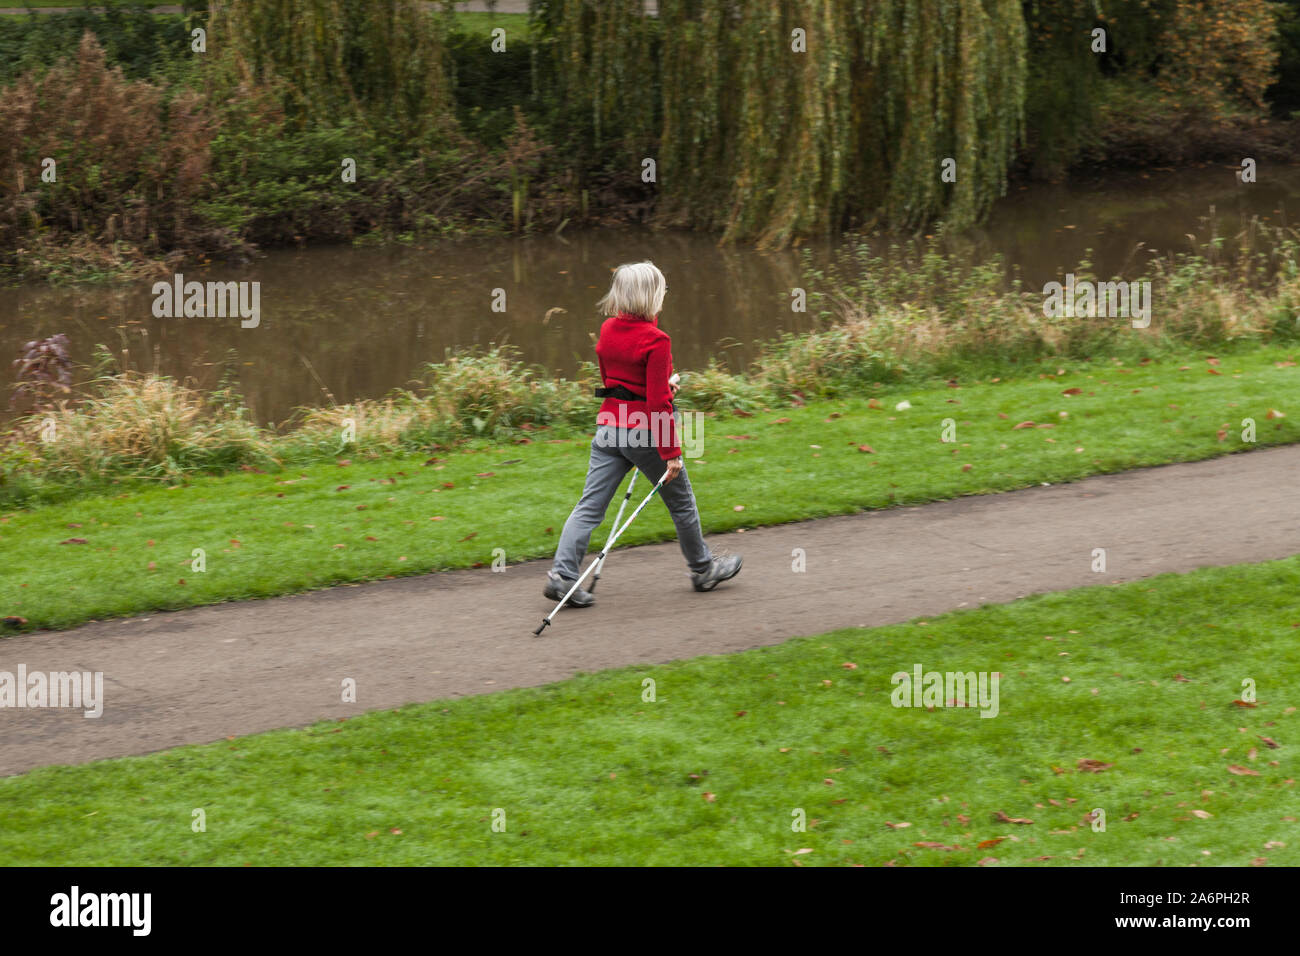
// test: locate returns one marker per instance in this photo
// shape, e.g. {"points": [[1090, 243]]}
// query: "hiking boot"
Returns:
{"points": [[722, 569], [557, 587]]}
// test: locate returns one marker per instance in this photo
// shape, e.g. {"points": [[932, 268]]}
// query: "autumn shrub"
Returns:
{"points": [[127, 163]]}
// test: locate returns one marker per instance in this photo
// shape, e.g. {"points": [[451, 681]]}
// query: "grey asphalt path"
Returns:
{"points": [[203, 674]]}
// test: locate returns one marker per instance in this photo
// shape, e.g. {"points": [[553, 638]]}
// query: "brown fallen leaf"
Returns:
{"points": [[897, 826], [1245, 703], [987, 861], [985, 844], [1202, 814], [1093, 766], [485, 474], [1022, 425], [472, 534], [1270, 743], [1073, 391], [931, 845], [709, 796], [849, 666], [866, 449], [1242, 771], [75, 541], [1003, 818]]}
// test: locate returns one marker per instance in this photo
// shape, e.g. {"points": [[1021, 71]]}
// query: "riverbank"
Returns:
{"points": [[376, 514], [497, 142]]}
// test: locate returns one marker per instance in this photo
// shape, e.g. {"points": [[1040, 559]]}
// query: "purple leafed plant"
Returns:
{"points": [[44, 371]]}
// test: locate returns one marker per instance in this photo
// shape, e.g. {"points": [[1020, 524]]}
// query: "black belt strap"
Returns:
{"points": [[619, 391]]}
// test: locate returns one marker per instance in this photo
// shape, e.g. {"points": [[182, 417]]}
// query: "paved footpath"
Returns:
{"points": [[202, 674]]}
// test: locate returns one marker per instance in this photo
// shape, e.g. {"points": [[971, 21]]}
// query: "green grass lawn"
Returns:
{"points": [[1141, 677], [266, 534]]}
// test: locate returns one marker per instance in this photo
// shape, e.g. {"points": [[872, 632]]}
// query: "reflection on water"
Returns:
{"points": [[341, 323]]}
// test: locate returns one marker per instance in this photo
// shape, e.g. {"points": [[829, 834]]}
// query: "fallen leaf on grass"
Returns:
{"points": [[1245, 703], [1003, 818], [931, 845], [896, 826], [1093, 766], [709, 796], [75, 541], [866, 449], [985, 844], [1073, 391], [1241, 771], [1202, 814], [1022, 425], [472, 534], [1270, 743]]}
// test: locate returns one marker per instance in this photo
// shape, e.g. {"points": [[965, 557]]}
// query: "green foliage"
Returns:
{"points": [[377, 61], [772, 144]]}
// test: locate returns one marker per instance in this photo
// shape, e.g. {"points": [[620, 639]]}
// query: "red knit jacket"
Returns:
{"points": [[637, 354]]}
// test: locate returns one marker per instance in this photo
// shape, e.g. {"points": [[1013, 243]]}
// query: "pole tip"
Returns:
{"points": [[545, 622]]}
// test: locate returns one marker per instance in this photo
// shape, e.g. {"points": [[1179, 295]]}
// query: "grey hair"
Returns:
{"points": [[638, 289]]}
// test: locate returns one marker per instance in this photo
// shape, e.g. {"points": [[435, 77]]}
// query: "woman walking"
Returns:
{"points": [[636, 427]]}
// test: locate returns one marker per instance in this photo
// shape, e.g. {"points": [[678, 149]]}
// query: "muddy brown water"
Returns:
{"points": [[339, 323]]}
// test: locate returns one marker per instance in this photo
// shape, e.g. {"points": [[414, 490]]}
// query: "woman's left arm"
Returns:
{"points": [[659, 397]]}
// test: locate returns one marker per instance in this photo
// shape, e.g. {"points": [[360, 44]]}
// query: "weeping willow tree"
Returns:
{"points": [[381, 62], [778, 119]]}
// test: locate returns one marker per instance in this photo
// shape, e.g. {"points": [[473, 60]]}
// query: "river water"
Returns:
{"points": [[340, 323]]}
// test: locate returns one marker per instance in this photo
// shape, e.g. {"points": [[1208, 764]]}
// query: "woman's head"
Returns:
{"points": [[638, 289]]}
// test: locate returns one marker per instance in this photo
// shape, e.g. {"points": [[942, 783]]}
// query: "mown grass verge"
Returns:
{"points": [[718, 768], [353, 519]]}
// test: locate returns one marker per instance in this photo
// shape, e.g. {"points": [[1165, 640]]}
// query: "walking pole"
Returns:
{"points": [[612, 528], [601, 557]]}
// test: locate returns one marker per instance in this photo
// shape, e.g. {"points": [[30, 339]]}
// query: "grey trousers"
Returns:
{"points": [[613, 454]]}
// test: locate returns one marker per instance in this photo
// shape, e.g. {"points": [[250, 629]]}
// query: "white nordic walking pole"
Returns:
{"points": [[601, 557], [612, 528]]}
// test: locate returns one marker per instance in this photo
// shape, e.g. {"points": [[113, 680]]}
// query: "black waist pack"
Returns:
{"points": [[619, 391]]}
